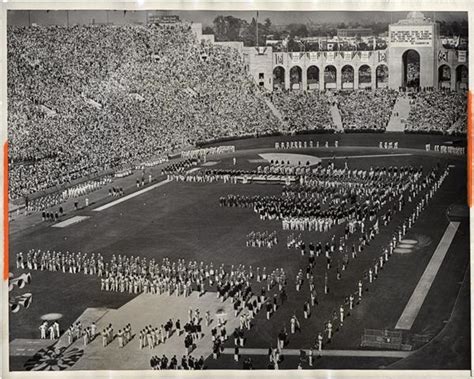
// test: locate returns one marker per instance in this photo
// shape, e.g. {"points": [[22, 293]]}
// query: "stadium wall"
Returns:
{"points": [[258, 63], [290, 70]]}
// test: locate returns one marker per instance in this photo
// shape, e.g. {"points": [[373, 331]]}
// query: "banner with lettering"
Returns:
{"points": [[313, 56], [382, 56], [411, 36], [462, 56], [347, 56], [364, 56], [295, 57], [330, 56], [279, 58]]}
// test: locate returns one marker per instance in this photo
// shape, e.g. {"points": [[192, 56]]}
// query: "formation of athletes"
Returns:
{"points": [[323, 198], [262, 239], [349, 206]]}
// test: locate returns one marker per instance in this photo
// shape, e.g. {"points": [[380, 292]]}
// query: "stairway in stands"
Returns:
{"points": [[277, 114], [400, 112], [336, 118]]}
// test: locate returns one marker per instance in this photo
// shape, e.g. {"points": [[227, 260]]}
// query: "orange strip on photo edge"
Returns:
{"points": [[5, 212], [469, 149]]}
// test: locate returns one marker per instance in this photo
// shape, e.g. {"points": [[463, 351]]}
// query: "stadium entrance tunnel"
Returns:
{"points": [[411, 68]]}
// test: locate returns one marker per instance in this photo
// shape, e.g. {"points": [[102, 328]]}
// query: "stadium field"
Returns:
{"points": [[183, 220]]}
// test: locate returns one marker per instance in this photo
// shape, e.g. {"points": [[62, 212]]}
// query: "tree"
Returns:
{"points": [[294, 46], [456, 28], [302, 31], [299, 30], [220, 28], [250, 34], [233, 28], [227, 28], [267, 24], [208, 30]]}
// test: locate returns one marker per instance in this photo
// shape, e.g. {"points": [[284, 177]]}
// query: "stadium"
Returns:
{"points": [[178, 202]]}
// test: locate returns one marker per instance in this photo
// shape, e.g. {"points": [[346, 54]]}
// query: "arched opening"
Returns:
{"points": [[365, 76], [313, 77], [279, 78], [296, 77], [347, 77], [381, 76], [461, 78], [411, 69], [444, 76], [330, 75]]}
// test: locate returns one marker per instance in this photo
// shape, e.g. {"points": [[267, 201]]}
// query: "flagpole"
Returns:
{"points": [[256, 29]]}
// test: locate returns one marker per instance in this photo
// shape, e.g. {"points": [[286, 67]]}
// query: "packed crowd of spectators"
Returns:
{"points": [[441, 112], [91, 98], [459, 126], [83, 99], [361, 110], [304, 110], [364, 110]]}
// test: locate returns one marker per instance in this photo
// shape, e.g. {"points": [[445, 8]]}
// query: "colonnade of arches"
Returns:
{"points": [[329, 77], [453, 77], [348, 77]]}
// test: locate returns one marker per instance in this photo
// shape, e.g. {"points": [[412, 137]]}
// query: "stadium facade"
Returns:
{"points": [[414, 57]]}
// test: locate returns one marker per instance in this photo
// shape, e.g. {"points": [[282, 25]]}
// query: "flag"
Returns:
{"points": [[256, 29], [278, 58], [456, 42], [442, 55], [382, 56]]}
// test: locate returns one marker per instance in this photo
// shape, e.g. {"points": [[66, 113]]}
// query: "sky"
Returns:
{"points": [[206, 17], [285, 17]]}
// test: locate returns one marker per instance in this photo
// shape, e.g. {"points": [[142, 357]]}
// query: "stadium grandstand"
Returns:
{"points": [[235, 206], [114, 93]]}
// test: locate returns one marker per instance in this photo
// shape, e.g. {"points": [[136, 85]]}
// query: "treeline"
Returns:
{"points": [[230, 28]]}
